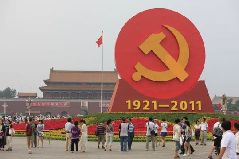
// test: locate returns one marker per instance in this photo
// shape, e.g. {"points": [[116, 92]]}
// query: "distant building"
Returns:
{"points": [[79, 84], [26, 95], [66, 92], [232, 104]]}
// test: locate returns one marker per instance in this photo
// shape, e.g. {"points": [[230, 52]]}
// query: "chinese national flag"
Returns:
{"points": [[99, 42]]}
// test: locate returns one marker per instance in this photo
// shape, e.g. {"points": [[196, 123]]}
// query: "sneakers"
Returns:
{"points": [[29, 151]]}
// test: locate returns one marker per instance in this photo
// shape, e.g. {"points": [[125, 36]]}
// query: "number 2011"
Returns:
{"points": [[184, 105]]}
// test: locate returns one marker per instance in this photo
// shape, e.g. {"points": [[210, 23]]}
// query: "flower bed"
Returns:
{"points": [[53, 124], [55, 128]]}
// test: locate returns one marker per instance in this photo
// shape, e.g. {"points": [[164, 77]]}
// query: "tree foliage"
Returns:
{"points": [[8, 93]]}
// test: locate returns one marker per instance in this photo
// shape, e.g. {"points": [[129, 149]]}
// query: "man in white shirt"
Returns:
{"points": [[204, 127], [236, 125], [176, 137], [68, 127], [150, 134], [228, 143], [123, 133]]}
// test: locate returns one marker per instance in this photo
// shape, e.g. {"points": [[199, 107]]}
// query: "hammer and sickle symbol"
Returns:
{"points": [[176, 69]]}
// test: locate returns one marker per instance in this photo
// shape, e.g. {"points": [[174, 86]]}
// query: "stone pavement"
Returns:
{"points": [[55, 150]]}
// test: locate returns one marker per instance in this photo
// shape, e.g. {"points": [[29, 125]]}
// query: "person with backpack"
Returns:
{"points": [[183, 136], [217, 137], [150, 133], [30, 126], [75, 135], [123, 134]]}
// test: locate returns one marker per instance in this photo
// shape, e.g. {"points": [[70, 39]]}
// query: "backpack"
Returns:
{"points": [[217, 131], [75, 131], [29, 130]]}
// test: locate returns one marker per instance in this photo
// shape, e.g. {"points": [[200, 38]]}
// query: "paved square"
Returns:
{"points": [[55, 150]]}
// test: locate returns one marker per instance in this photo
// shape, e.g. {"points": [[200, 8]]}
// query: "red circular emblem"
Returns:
{"points": [[160, 53]]}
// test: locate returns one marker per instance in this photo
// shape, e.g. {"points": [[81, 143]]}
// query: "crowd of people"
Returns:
{"points": [[76, 134], [225, 142], [6, 134], [21, 118]]}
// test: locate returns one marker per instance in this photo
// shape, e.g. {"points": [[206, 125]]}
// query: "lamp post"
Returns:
{"points": [[5, 108], [28, 106]]}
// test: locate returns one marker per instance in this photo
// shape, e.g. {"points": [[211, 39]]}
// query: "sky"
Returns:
{"points": [[36, 35]]}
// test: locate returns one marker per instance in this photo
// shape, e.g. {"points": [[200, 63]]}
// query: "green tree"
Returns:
{"points": [[8, 93]]}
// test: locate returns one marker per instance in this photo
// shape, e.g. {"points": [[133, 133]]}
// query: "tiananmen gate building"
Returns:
{"points": [[79, 84]]}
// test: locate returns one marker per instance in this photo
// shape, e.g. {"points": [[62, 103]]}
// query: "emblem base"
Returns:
{"points": [[127, 99]]}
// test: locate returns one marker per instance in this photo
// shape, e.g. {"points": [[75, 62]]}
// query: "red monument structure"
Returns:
{"points": [[160, 56]]}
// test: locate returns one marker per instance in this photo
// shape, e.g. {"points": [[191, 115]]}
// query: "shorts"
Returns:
{"points": [[163, 134], [177, 145]]}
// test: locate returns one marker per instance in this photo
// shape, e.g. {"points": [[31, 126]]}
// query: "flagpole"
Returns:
{"points": [[102, 69]]}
